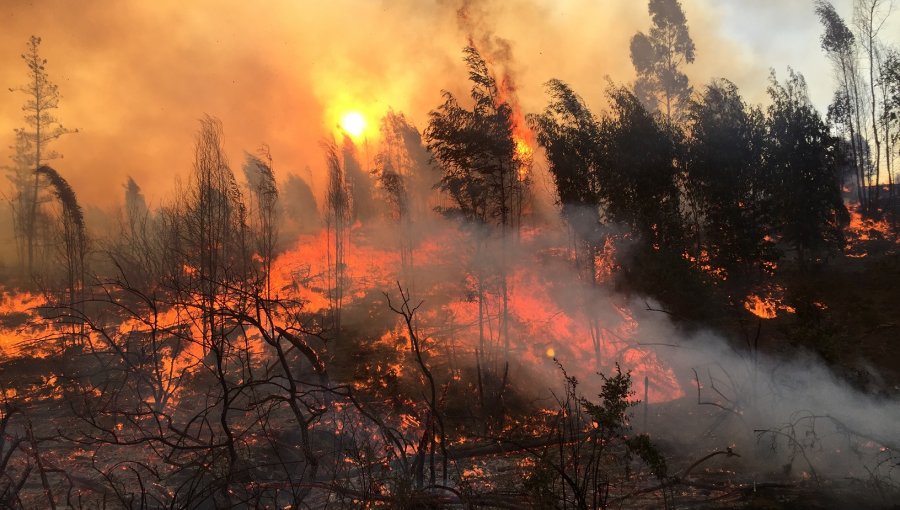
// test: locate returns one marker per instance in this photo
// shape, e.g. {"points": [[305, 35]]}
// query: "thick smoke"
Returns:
{"points": [[136, 77]]}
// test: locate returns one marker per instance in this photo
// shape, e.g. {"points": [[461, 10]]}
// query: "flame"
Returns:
{"points": [[762, 308], [524, 157], [867, 229], [768, 307]]}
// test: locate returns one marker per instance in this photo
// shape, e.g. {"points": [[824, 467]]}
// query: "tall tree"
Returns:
{"points": [[891, 83], [477, 152], [726, 179], [21, 176], [263, 208], [658, 57], [846, 110], [869, 17], [74, 242], [570, 134], [638, 168], [889, 86], [43, 128], [802, 158], [337, 220], [394, 171], [135, 233]]}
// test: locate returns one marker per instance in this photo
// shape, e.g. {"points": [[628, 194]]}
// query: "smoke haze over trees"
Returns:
{"points": [[454, 269]]}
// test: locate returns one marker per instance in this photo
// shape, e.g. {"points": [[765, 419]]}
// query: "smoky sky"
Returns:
{"points": [[135, 77]]}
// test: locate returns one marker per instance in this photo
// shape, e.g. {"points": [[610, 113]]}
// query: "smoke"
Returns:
{"points": [[135, 77], [787, 415]]}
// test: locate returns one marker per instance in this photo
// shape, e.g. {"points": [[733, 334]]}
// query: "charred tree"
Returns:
{"points": [[337, 223]]}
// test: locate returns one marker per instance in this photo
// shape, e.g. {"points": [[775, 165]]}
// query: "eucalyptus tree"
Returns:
{"points": [[658, 57], [476, 150]]}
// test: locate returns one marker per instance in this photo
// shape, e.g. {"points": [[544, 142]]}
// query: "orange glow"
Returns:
{"points": [[353, 123], [866, 229], [768, 305], [524, 156], [762, 308], [542, 327]]}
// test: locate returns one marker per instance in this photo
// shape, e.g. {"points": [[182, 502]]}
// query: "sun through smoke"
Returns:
{"points": [[354, 124]]}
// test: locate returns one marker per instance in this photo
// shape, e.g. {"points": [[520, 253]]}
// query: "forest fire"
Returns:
{"points": [[496, 298], [769, 304]]}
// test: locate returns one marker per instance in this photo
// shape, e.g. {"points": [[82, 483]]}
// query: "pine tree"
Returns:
{"points": [[43, 128]]}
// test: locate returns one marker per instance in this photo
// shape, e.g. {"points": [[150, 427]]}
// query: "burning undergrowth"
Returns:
{"points": [[426, 384], [452, 348]]}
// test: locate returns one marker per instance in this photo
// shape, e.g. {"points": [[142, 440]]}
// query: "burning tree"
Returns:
{"points": [[477, 151], [191, 376], [403, 173], [571, 135]]}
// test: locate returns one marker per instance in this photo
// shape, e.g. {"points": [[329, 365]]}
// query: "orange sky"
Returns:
{"points": [[136, 75]]}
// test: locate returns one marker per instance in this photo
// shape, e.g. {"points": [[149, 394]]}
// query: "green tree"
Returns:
{"points": [[477, 151], [725, 179], [43, 128], [637, 165], [658, 57], [803, 160], [570, 134]]}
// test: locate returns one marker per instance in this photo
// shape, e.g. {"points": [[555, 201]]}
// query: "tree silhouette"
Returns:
{"points": [[658, 57], [477, 152], [570, 134], [726, 179], [338, 218], [847, 108], [638, 169], [803, 159], [74, 240], [43, 98]]}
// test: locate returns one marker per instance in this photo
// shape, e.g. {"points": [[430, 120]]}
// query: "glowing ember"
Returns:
{"points": [[769, 306], [762, 308]]}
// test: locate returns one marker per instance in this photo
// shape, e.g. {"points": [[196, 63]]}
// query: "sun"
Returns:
{"points": [[353, 123]]}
